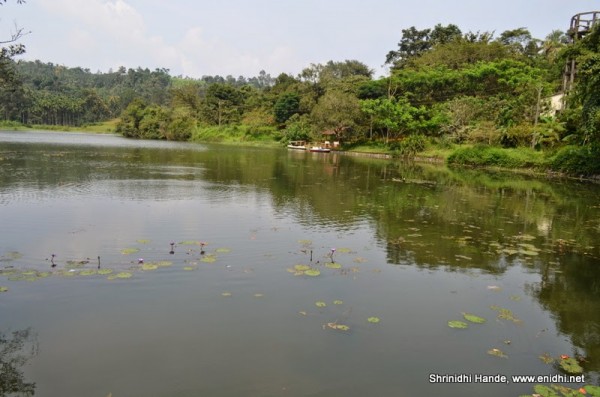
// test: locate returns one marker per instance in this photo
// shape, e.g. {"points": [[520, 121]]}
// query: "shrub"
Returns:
{"points": [[578, 160], [409, 146], [496, 157]]}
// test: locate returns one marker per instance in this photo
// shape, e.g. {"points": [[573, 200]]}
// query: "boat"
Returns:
{"points": [[297, 145], [320, 149]]}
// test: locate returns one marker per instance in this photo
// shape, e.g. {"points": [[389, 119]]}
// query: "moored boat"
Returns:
{"points": [[297, 145]]}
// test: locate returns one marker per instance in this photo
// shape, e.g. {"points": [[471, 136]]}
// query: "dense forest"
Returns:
{"points": [[445, 87]]}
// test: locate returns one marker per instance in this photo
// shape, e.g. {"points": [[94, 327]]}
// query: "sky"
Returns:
{"points": [[193, 38]]}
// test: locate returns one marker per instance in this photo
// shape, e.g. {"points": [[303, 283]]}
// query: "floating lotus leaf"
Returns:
{"points": [[77, 263], [149, 266], [163, 263], [473, 318], [303, 312], [301, 268], [524, 237], [593, 391], [189, 242], [529, 253], [209, 259], [7, 272], [305, 242], [313, 272], [88, 272], [570, 366], [120, 275], [546, 358], [505, 314], [11, 256], [258, 295], [223, 250], [497, 353], [226, 294], [359, 259], [338, 302], [3, 289], [143, 241], [457, 324], [373, 320], [344, 250], [320, 304], [105, 272], [333, 265], [529, 247], [510, 251], [129, 251], [190, 268], [29, 273], [339, 327], [515, 298]]}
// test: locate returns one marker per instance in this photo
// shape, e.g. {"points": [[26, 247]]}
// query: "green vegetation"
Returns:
{"points": [[480, 94]]}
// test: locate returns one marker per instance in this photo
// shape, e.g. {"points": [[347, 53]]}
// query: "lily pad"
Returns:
{"points": [[11, 256], [338, 302], [320, 304], [301, 268], [129, 251], [88, 272], [313, 272], [457, 324], [570, 366], [209, 259], [546, 358], [120, 275], [339, 327], [226, 294], [373, 320], [333, 265], [473, 318], [143, 241], [3, 289], [163, 263], [506, 314], [223, 250], [105, 272], [190, 268], [189, 242], [497, 353], [344, 250], [149, 266], [258, 295]]}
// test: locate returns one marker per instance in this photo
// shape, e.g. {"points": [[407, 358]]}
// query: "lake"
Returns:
{"points": [[144, 268]]}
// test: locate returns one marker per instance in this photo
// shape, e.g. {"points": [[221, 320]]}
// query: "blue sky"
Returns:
{"points": [[241, 37]]}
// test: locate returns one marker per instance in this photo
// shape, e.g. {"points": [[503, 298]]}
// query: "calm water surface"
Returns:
{"points": [[415, 246]]}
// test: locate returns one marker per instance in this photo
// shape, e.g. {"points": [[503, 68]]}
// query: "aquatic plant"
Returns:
{"points": [[338, 302], [129, 251], [320, 304], [313, 272], [373, 320], [457, 324], [570, 365], [3, 289], [473, 318], [563, 391], [333, 265], [120, 275], [497, 353]]}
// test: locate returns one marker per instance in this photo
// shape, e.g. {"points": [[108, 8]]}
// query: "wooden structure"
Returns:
{"points": [[581, 24]]}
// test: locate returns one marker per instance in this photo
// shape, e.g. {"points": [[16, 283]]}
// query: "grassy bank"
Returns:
{"points": [[106, 127]]}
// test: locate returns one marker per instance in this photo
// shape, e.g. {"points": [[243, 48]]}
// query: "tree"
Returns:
{"points": [[337, 111], [413, 43], [287, 105]]}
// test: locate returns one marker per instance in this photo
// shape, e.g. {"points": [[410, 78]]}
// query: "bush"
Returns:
{"points": [[577, 160], [409, 146], [496, 157]]}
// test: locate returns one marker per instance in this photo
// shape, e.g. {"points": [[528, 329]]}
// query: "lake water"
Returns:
{"points": [[233, 311]]}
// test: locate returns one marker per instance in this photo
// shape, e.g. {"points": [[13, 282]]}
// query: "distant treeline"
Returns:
{"points": [[444, 85]]}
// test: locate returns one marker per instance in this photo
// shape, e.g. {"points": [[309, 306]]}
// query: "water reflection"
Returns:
{"points": [[451, 223], [16, 349]]}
